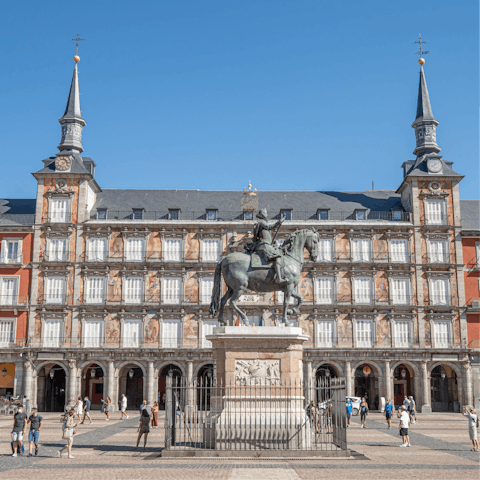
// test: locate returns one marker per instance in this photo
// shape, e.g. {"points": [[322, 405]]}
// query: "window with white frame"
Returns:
{"points": [[439, 291], [207, 288], [97, 249], [402, 334], [93, 333], [325, 290], [361, 250], [441, 334], [172, 249], [52, 332], [133, 290], [8, 290], [438, 251], [54, 290], [7, 335], [401, 291], [172, 290], [254, 320], [11, 251], [95, 290], [132, 333], [59, 210], [325, 250], [363, 290], [57, 249], [398, 250], [325, 333], [435, 212], [172, 333], [364, 333], [210, 250], [135, 249], [207, 329]]}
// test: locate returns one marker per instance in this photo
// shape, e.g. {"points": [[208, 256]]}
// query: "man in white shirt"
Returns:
{"points": [[123, 406], [404, 421], [472, 426]]}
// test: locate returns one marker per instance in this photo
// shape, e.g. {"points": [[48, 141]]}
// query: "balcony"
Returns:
{"points": [[14, 302], [18, 343], [438, 259], [55, 257], [57, 218], [473, 305], [442, 301], [151, 256], [59, 299], [235, 216], [435, 220], [11, 260]]}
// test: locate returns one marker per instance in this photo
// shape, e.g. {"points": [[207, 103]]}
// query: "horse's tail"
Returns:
{"points": [[217, 289]]}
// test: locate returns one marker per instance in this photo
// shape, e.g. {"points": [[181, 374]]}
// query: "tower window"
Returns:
{"points": [[322, 214], [360, 214], [101, 214], [248, 215], [211, 215], [138, 214], [287, 214], [173, 214]]}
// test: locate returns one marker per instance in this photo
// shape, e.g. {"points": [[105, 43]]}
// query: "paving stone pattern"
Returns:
{"points": [[440, 450]]}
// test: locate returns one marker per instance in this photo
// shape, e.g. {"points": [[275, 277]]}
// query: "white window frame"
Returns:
{"points": [[47, 297], [94, 255], [365, 343], [394, 257], [205, 253], [318, 327], [355, 296], [433, 295], [168, 301], [205, 298], [54, 256], [85, 339], [86, 288], [166, 256], [431, 220], [164, 340], [126, 343], [363, 257], [130, 301], [395, 337], [322, 258], [131, 254], [7, 299], [394, 295], [13, 334], [4, 254], [61, 217], [318, 299], [434, 334], [59, 342], [432, 254]]}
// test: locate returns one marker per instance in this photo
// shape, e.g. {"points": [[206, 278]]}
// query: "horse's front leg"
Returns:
{"points": [[236, 295], [299, 299]]}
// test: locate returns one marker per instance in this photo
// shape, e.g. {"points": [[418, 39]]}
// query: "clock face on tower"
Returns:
{"points": [[434, 165], [63, 163]]}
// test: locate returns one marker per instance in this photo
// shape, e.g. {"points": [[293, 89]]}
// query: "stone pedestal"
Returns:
{"points": [[258, 401]]}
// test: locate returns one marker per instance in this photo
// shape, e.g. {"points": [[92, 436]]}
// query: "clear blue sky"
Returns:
{"points": [[294, 95]]}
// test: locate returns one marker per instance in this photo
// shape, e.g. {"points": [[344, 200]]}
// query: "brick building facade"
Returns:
{"points": [[121, 280]]}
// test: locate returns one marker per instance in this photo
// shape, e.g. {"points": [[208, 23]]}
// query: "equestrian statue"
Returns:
{"points": [[264, 267]]}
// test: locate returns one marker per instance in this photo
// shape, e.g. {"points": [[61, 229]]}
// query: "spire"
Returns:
{"points": [[72, 122], [424, 109]]}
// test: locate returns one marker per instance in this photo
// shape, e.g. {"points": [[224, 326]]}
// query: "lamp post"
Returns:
{"points": [[403, 373], [92, 373]]}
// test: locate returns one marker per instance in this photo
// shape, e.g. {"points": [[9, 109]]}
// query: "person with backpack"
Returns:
{"points": [[363, 412], [389, 413], [472, 426]]}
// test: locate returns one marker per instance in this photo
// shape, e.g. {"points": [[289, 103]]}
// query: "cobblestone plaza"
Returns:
{"points": [[440, 450]]}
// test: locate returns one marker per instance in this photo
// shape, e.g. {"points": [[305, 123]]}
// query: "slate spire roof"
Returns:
{"points": [[424, 108], [72, 110]]}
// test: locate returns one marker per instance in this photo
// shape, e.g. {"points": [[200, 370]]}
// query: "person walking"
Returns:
{"points": [[18, 430], [406, 403], [155, 409], [412, 409], [36, 424], [389, 413], [86, 411], [472, 426], [123, 406], [363, 412], [106, 406], [403, 426], [142, 406], [349, 408], [68, 433], [143, 427], [79, 409]]}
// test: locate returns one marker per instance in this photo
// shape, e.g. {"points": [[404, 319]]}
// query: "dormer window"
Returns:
{"points": [[322, 214], [360, 214], [248, 215], [286, 213], [101, 214], [138, 213], [397, 215], [211, 214], [173, 214]]}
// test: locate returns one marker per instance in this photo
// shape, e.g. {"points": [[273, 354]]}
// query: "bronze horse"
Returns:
{"points": [[239, 276]]}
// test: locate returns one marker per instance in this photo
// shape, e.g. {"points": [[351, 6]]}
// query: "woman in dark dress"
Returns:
{"points": [[143, 427]]}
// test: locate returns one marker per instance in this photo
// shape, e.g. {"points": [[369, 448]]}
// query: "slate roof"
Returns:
{"points": [[419, 168], [424, 108], [470, 210], [230, 201], [77, 164], [17, 211]]}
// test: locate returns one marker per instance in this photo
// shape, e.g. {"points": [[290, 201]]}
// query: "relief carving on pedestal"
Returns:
{"points": [[257, 372]]}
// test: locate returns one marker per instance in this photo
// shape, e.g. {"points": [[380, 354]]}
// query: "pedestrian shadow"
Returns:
{"points": [[106, 448]]}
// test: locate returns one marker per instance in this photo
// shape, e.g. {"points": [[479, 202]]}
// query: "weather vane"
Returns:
{"points": [[421, 52], [78, 39]]}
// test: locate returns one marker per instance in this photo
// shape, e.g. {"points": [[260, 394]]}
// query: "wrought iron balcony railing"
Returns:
{"points": [[65, 217], [14, 300], [58, 257], [55, 299], [11, 259], [438, 258]]}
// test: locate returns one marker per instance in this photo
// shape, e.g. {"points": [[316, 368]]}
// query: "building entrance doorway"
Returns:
{"points": [[444, 389], [162, 382], [51, 385], [366, 385]]}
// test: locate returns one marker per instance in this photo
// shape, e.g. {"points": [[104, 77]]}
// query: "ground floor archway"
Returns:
{"points": [[131, 384], [323, 375], [366, 385], [93, 384], [51, 388], [444, 389], [204, 386], [162, 381], [403, 384]]}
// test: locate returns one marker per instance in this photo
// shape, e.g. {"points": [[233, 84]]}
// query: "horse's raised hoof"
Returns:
{"points": [[287, 323], [221, 323]]}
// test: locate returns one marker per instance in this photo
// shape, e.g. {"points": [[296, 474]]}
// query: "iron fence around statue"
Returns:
{"points": [[255, 416]]}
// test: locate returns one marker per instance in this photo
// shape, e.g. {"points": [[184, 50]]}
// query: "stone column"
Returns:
{"points": [[27, 389], [388, 382], [426, 406], [111, 392], [190, 401], [72, 383], [468, 384], [348, 378], [150, 383], [310, 386]]}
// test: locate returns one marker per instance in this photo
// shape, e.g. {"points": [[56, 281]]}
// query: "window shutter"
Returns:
{"points": [[325, 333], [355, 250], [171, 333], [93, 333], [135, 249], [364, 333], [52, 333], [442, 334], [434, 212], [9, 291], [95, 289], [173, 248], [55, 289], [325, 250], [132, 333], [399, 251], [6, 333], [325, 290], [207, 329], [172, 291], [438, 251], [97, 249], [402, 334], [133, 290], [439, 287], [211, 250], [363, 290], [59, 210], [207, 288], [400, 291]]}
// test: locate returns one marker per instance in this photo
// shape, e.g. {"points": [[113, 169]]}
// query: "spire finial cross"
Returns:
{"points": [[420, 41], [78, 39]]}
